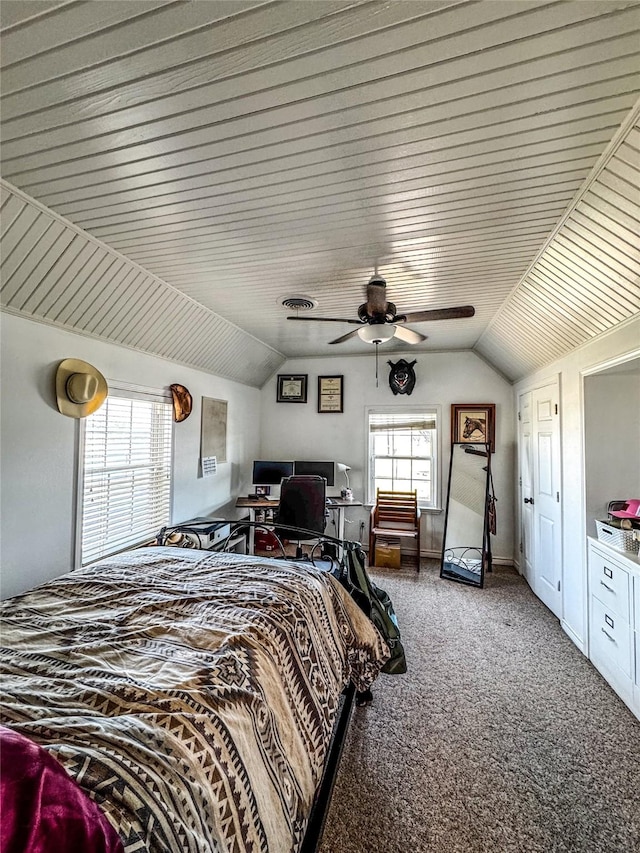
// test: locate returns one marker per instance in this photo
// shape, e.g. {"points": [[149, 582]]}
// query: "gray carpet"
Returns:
{"points": [[501, 737]]}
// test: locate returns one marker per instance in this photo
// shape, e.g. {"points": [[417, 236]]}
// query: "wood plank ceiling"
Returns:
{"points": [[174, 170]]}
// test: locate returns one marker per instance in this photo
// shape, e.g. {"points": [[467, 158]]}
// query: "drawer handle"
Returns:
{"points": [[607, 635], [606, 586]]}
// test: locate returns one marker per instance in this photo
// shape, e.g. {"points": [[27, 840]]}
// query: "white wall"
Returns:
{"points": [[296, 430], [612, 440], [623, 340], [38, 444]]}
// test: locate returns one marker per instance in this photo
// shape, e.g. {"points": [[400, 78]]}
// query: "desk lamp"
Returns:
{"points": [[347, 494]]}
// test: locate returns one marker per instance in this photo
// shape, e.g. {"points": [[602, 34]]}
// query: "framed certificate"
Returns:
{"points": [[292, 389], [330, 392]]}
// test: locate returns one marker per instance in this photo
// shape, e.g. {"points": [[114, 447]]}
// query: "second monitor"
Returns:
{"points": [[318, 469]]}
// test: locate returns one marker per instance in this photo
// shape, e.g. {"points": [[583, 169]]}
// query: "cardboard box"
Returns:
{"points": [[387, 555]]}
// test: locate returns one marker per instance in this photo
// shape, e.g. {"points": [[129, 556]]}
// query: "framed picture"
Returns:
{"points": [[263, 490], [330, 390], [292, 389], [474, 423]]}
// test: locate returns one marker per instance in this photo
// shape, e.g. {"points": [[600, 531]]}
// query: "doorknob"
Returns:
{"points": [[528, 500]]}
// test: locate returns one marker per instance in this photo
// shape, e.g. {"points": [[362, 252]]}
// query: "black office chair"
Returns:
{"points": [[302, 504]]}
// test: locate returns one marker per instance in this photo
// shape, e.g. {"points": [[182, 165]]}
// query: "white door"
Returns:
{"points": [[526, 487], [540, 495]]}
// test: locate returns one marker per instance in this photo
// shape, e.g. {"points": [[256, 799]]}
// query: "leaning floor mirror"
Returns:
{"points": [[466, 553]]}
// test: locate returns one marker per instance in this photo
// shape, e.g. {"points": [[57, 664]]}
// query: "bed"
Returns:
{"points": [[190, 695]]}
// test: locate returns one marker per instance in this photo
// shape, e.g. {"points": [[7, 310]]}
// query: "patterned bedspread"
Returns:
{"points": [[191, 694]]}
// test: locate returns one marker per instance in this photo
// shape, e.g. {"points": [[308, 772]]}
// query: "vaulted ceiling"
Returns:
{"points": [[173, 171]]}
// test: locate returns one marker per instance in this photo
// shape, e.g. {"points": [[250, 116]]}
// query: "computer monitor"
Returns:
{"points": [[270, 473], [318, 469]]}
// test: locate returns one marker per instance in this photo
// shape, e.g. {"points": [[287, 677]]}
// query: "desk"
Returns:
{"points": [[336, 505]]}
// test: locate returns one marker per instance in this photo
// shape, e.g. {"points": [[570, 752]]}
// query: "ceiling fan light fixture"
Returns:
{"points": [[377, 333]]}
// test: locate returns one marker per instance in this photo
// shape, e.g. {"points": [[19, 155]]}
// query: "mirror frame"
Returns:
{"points": [[480, 449]]}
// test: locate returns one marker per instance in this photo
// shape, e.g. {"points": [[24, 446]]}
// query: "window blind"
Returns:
{"points": [[126, 490], [380, 422]]}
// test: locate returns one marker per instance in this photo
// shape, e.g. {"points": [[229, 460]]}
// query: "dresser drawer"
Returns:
{"points": [[610, 583], [610, 637]]}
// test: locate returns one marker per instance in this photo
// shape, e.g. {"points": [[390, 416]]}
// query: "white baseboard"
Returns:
{"points": [[497, 561], [573, 636], [437, 555], [503, 561]]}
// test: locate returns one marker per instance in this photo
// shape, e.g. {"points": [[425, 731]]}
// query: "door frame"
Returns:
{"points": [[520, 560], [541, 382], [591, 370]]}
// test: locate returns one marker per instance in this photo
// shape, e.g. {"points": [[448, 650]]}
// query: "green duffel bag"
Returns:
{"points": [[377, 605]]}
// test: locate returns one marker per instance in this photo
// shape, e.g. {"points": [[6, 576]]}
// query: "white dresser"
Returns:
{"points": [[614, 619]]}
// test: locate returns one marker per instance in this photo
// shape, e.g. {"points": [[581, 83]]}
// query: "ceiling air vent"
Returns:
{"points": [[299, 303]]}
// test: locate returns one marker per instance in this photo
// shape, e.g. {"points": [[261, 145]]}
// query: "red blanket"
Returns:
{"points": [[43, 809]]}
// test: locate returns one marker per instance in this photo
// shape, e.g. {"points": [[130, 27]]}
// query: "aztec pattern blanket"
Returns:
{"points": [[190, 694]]}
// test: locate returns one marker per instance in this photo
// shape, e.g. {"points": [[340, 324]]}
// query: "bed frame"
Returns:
{"points": [[326, 548], [320, 809]]}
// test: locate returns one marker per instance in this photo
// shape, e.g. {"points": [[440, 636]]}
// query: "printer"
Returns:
{"points": [[202, 532]]}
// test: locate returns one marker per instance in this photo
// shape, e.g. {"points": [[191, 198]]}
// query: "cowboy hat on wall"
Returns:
{"points": [[80, 388]]}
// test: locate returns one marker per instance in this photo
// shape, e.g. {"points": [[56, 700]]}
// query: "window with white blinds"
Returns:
{"points": [[126, 474], [403, 454]]}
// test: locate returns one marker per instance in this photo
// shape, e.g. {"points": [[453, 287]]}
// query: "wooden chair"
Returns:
{"points": [[396, 514]]}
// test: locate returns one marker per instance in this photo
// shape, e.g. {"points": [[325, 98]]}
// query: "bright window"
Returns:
{"points": [[403, 454], [126, 474]]}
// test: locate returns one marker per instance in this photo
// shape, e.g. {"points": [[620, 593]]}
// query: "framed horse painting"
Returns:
{"points": [[474, 423]]}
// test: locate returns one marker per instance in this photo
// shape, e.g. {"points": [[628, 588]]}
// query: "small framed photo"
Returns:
{"points": [[292, 389], [330, 393], [474, 423], [263, 490]]}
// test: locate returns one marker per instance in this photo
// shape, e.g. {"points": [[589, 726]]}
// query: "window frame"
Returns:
{"points": [[430, 409], [129, 392]]}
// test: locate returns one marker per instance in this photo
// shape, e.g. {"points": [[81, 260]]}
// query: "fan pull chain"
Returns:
{"points": [[376, 346]]}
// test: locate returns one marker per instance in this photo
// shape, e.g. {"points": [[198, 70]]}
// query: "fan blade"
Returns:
{"points": [[327, 320], [408, 335], [346, 337], [440, 314]]}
